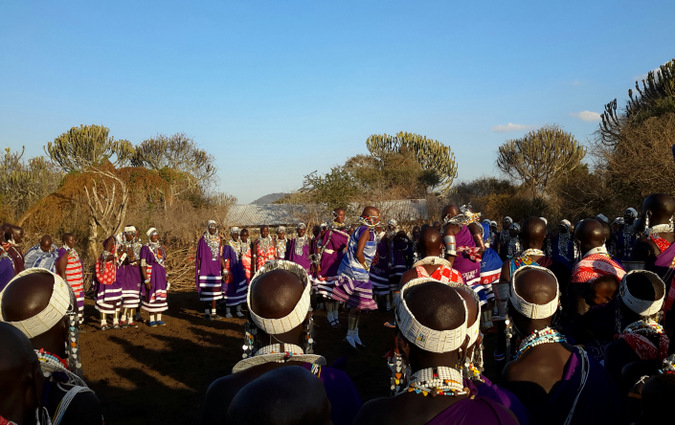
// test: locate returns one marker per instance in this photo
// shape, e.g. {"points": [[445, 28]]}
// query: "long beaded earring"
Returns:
{"points": [[309, 328], [250, 331], [647, 221], [398, 369]]}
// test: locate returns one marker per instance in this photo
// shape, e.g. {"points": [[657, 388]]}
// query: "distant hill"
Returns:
{"points": [[269, 198]]}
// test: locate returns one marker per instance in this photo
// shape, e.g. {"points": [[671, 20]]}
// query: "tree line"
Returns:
{"points": [[92, 184]]}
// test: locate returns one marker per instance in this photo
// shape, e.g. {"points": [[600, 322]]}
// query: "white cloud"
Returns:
{"points": [[587, 116], [510, 127], [576, 83]]}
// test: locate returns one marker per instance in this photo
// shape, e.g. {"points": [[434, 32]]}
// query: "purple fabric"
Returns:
{"points": [[235, 291], [342, 394], [470, 270], [336, 241], [302, 260], [502, 396], [598, 402], [6, 272], [158, 275], [474, 410], [206, 266]]}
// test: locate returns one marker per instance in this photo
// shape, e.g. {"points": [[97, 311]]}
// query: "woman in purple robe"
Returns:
{"points": [[154, 278], [333, 247], [233, 284], [298, 248], [129, 275], [208, 270]]}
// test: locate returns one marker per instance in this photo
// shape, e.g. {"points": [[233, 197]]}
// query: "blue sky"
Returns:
{"points": [[277, 89]]}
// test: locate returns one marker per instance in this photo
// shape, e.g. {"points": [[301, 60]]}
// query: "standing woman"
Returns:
{"points": [[209, 268], [109, 290], [154, 278]]}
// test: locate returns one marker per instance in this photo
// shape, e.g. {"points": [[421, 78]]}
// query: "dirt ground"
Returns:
{"points": [[160, 375]]}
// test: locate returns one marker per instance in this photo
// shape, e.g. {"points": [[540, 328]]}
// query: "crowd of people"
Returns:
{"points": [[583, 318]]}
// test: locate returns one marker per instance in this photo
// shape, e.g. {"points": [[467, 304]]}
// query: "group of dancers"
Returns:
{"points": [[606, 358]]}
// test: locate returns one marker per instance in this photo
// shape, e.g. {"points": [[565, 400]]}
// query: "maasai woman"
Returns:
{"points": [[353, 283], [233, 283], [129, 275], [109, 291], [42, 255], [154, 277], [263, 248], [235, 241], [298, 248], [208, 270], [281, 243], [331, 245], [69, 267], [246, 255]]}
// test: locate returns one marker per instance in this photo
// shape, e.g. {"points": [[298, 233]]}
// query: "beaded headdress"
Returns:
{"points": [[62, 303], [533, 310], [234, 230], [130, 229], [52, 313], [465, 216], [151, 231], [301, 226], [637, 305], [299, 313], [423, 337]]}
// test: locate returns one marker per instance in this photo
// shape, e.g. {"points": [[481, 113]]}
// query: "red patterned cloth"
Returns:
{"points": [[442, 274], [264, 256], [594, 266], [106, 272], [471, 252], [644, 347], [660, 242]]}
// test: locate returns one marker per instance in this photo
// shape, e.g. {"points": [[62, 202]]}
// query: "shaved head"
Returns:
{"points": [[471, 305], [276, 293], [436, 305], [27, 296], [536, 286], [430, 242], [449, 211], [590, 234], [299, 399], [661, 207], [533, 233]]}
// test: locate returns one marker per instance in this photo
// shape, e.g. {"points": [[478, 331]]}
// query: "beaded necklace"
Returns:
{"points": [[51, 363], [213, 241], [563, 242], [644, 327], [281, 247], [532, 252], [157, 251], [264, 243], [300, 243], [439, 380], [547, 335]]}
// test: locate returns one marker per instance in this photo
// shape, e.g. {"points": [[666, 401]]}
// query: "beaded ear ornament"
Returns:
{"points": [[309, 331], [250, 331]]}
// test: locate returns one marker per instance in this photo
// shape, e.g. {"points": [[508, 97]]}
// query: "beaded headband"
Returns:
{"points": [[130, 229], [423, 337], [213, 223], [474, 330], [637, 305], [533, 310], [301, 226], [234, 230], [52, 313], [151, 231], [299, 313]]}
